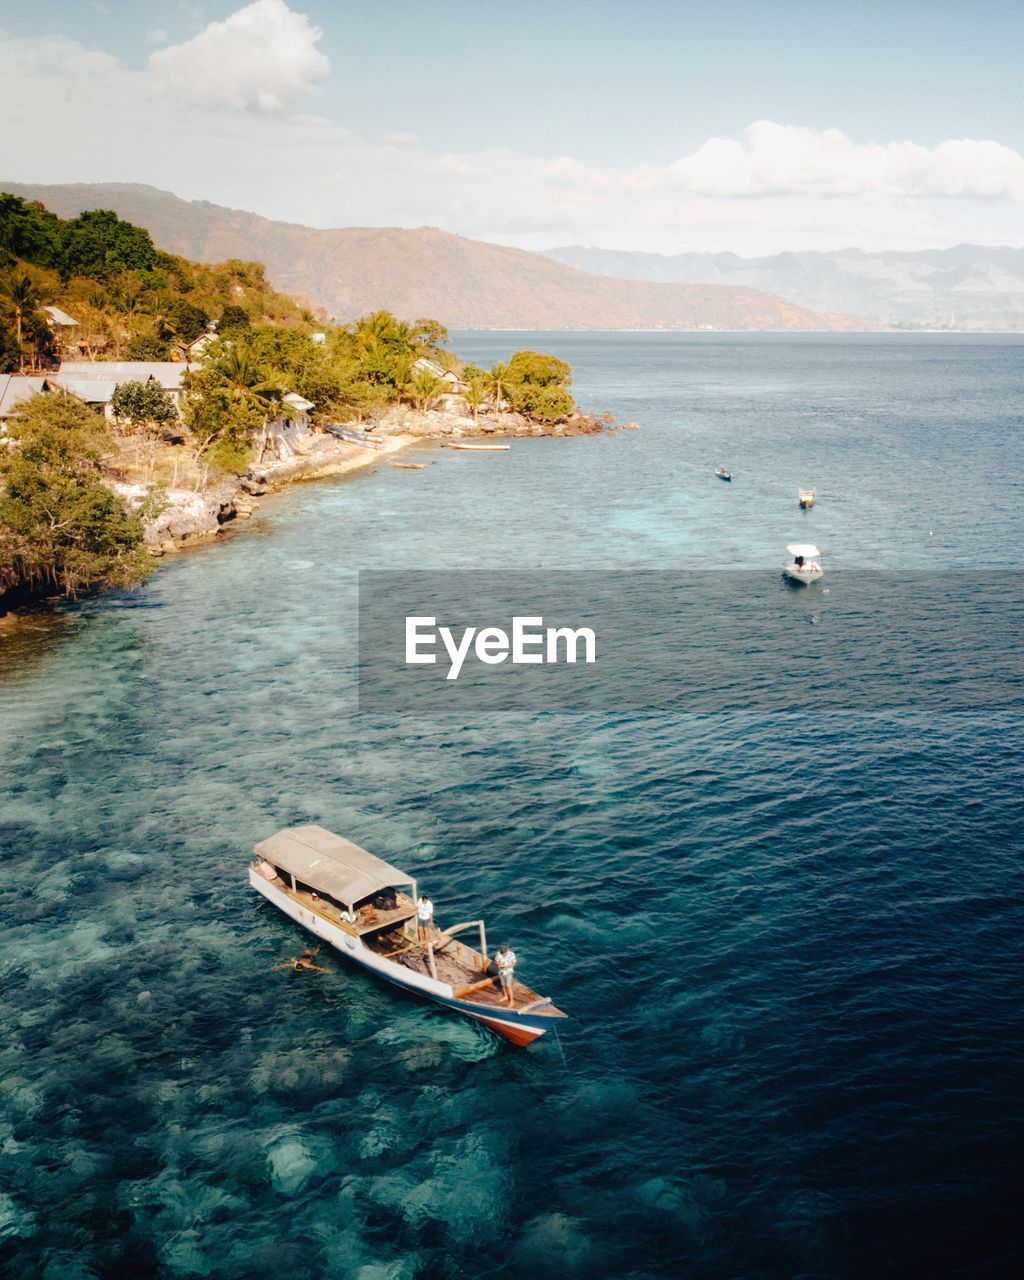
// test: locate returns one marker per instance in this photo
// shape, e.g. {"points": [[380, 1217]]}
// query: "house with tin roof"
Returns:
{"points": [[95, 381], [16, 388]]}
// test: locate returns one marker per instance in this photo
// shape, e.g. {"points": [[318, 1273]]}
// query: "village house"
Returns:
{"points": [[15, 390], [453, 383], [284, 433], [192, 350], [95, 381], [62, 325]]}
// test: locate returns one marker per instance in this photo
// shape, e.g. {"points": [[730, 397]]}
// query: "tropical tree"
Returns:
{"points": [[146, 346], [475, 395], [423, 388], [138, 402], [233, 395], [24, 297], [538, 385], [497, 383], [99, 244], [60, 526], [234, 317]]}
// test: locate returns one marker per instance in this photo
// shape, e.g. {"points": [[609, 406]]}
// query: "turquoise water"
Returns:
{"points": [[790, 948]]}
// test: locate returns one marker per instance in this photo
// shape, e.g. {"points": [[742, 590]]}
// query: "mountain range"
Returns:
{"points": [[464, 283], [966, 287]]}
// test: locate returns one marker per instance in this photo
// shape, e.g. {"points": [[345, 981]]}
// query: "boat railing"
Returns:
{"points": [[471, 924]]}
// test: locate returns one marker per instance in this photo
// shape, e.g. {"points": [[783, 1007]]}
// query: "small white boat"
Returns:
{"points": [[468, 447], [355, 902], [806, 498], [804, 564], [723, 473]]}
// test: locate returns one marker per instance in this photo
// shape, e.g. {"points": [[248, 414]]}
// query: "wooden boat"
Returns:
{"points": [[804, 564], [723, 474], [806, 498], [366, 909], [408, 466], [468, 447], [351, 436]]}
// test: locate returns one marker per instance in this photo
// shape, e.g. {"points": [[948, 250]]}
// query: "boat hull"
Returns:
{"points": [[804, 576], [521, 1028]]}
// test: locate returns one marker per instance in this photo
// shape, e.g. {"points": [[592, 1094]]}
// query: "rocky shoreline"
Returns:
{"points": [[197, 516], [193, 519]]}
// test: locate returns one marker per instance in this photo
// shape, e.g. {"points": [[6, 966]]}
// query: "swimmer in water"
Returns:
{"points": [[303, 963]]}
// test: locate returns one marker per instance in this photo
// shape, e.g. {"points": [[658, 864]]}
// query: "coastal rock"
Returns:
{"points": [[191, 518]]}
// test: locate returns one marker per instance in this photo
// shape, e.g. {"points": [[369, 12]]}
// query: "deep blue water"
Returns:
{"points": [[790, 946]]}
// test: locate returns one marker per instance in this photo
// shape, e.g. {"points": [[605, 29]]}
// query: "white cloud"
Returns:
{"points": [[261, 56], [776, 159], [72, 114]]}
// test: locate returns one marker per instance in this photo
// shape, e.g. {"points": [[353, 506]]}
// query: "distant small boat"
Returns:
{"points": [[723, 474], [805, 565], [806, 498], [477, 448], [408, 466]]}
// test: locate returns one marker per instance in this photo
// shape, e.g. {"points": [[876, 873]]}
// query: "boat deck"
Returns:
{"points": [[369, 919], [458, 965], [455, 963]]}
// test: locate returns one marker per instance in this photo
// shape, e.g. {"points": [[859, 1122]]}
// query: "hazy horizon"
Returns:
{"points": [[667, 130]]}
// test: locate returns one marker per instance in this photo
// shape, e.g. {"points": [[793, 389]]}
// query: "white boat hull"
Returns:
{"points": [[521, 1028], [806, 574]]}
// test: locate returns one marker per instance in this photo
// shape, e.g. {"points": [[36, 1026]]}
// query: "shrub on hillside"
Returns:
{"points": [[60, 526]]}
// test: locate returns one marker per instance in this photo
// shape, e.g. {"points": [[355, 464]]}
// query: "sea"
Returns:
{"points": [[789, 944]]}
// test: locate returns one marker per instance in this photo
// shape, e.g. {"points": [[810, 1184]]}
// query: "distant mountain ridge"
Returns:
{"points": [[966, 287], [466, 284]]}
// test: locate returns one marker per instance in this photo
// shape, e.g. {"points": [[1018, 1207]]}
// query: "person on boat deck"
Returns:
{"points": [[505, 961], [303, 963], [424, 918], [799, 562]]}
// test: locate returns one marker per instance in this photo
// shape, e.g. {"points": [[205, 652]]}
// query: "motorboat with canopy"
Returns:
{"points": [[366, 909], [804, 564]]}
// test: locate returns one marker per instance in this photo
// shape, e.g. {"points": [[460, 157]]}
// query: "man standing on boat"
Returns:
{"points": [[424, 918], [505, 962]]}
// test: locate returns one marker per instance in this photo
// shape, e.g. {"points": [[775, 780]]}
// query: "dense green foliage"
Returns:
{"points": [[538, 385], [230, 398], [131, 300], [139, 402], [233, 317], [61, 528]]}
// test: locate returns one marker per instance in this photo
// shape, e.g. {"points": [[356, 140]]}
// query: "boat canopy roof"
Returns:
{"points": [[804, 549], [330, 863]]}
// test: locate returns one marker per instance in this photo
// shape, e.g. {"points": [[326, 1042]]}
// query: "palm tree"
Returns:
{"points": [[25, 298], [423, 388], [475, 395], [250, 381], [498, 383]]}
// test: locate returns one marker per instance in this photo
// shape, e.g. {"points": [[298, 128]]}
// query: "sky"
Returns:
{"points": [[666, 127]]}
